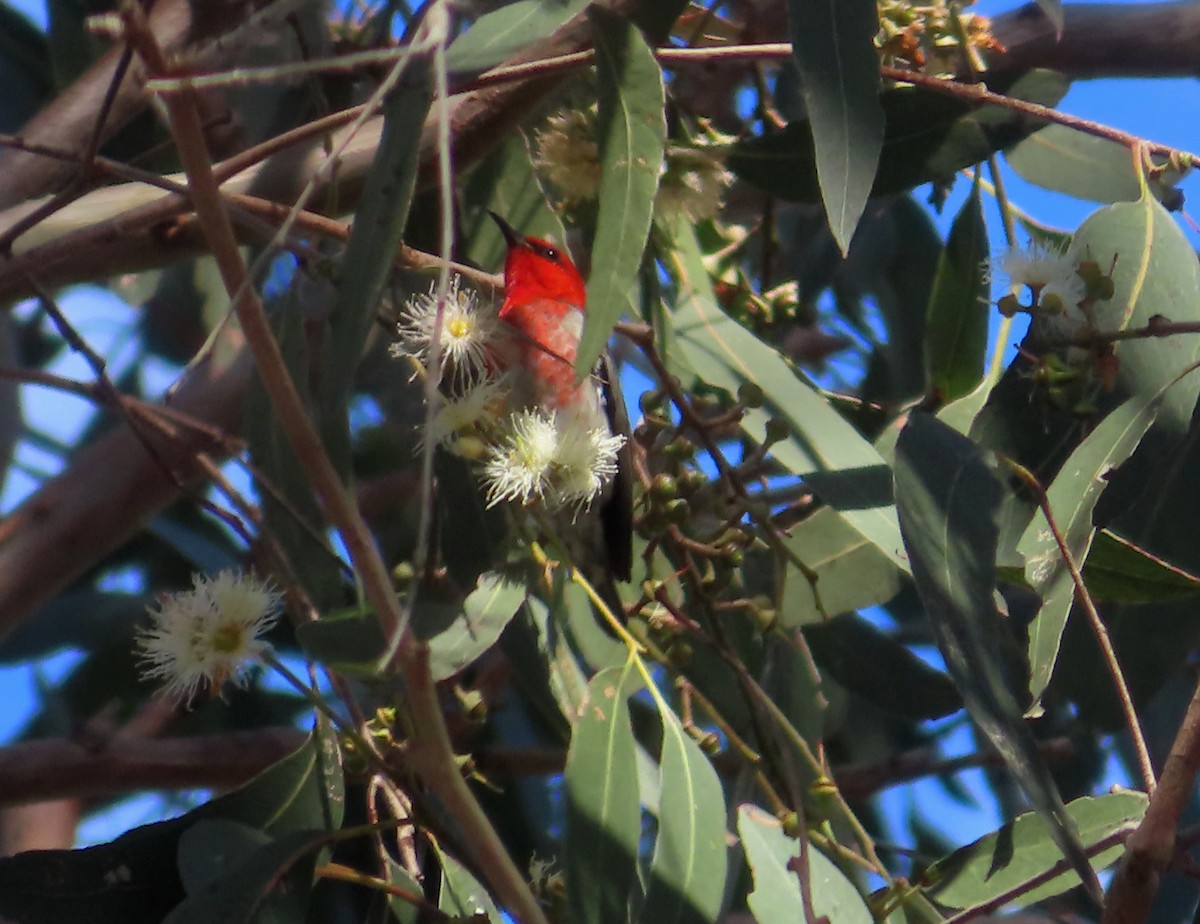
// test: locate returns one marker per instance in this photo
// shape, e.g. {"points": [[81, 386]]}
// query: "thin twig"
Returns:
{"points": [[1133, 723]]}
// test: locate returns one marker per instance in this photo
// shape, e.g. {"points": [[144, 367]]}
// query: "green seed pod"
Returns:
{"points": [[777, 430], [650, 401], [692, 480], [678, 511], [664, 487], [680, 653], [751, 394]]}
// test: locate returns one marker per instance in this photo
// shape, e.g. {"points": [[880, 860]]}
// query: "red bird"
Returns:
{"points": [[544, 298]]}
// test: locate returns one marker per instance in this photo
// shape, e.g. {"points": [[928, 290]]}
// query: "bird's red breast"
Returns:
{"points": [[544, 296]]}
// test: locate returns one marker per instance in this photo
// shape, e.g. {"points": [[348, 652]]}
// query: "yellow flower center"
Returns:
{"points": [[459, 328], [229, 638]]}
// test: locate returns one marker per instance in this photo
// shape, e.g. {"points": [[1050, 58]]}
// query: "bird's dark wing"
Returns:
{"points": [[616, 515]]}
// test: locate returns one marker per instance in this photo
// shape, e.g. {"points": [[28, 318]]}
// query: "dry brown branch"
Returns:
{"points": [[1150, 850], [68, 121], [58, 768], [1102, 40]]}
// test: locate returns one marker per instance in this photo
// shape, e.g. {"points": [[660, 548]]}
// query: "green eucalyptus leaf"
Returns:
{"points": [[947, 500], [927, 136], [375, 235], [497, 35], [956, 329], [869, 662], [1021, 851], [301, 793], [506, 183], [462, 895], [349, 642], [484, 615], [407, 907], [604, 823], [631, 130], [774, 861], [1077, 164], [247, 875], [1117, 571], [1072, 498], [833, 45], [290, 510], [850, 571], [822, 446], [688, 868], [1155, 274]]}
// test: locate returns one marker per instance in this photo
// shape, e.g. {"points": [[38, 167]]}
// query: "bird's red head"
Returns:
{"points": [[536, 270]]}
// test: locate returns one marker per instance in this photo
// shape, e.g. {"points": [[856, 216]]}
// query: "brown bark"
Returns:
{"points": [[70, 119], [1103, 40], [58, 769]]}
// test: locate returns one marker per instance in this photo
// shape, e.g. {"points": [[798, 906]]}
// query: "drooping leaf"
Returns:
{"points": [[956, 329], [462, 896], [485, 614], [505, 182], [405, 904], [946, 499], [499, 34], [851, 573], [1117, 571], [869, 662], [834, 459], [1072, 498], [631, 130], [774, 861], [1022, 850], [290, 509], [349, 642], [833, 45], [603, 815], [240, 874], [458, 633], [926, 136], [374, 240], [688, 868]]}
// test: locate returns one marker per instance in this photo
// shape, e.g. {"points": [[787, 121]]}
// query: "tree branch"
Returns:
{"points": [[58, 768], [1102, 40]]}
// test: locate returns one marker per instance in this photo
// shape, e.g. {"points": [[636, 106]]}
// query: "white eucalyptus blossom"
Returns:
{"points": [[518, 465], [693, 184], [585, 462], [478, 407], [559, 458], [469, 336], [202, 638], [568, 156]]}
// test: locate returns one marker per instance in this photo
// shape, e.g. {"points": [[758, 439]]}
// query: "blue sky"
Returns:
{"points": [[1151, 109]]}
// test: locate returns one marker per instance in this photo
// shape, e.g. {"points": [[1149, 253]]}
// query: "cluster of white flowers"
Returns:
{"points": [[558, 458], [204, 637], [1053, 280], [693, 181]]}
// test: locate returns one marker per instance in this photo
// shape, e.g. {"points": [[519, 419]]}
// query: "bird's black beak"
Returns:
{"points": [[510, 233]]}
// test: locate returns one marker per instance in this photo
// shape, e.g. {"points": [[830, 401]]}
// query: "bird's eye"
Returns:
{"points": [[550, 253]]}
